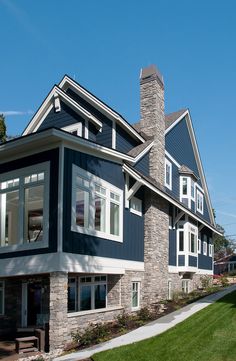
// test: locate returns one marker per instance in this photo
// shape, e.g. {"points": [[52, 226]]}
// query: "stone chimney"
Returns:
{"points": [[152, 118]]}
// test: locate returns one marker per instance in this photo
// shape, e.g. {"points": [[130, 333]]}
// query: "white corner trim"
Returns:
{"points": [[113, 134], [66, 82]]}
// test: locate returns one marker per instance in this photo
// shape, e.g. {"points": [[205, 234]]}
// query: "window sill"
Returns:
{"points": [[95, 233], [91, 312], [23, 247]]}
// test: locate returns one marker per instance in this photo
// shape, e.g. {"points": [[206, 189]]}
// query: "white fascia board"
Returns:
{"points": [[40, 115], [176, 122], [59, 135], [177, 269], [172, 159], [140, 155], [167, 197], [199, 164], [99, 105], [65, 262]]}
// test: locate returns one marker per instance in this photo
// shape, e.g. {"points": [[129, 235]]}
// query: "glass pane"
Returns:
{"points": [[181, 240], [115, 196], [33, 217], [100, 189], [100, 213], [192, 243], [185, 186], [114, 219], [85, 298], [82, 207], [72, 298], [167, 174], [100, 296], [134, 299], [9, 218]]}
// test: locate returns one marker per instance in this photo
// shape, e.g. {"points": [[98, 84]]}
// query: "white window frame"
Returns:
{"points": [[74, 128], [205, 245], [185, 286], [187, 227], [192, 229], [188, 195], [92, 179], [200, 209], [2, 311], [199, 244], [139, 286], [21, 174], [193, 186], [139, 203], [169, 164], [211, 248]]}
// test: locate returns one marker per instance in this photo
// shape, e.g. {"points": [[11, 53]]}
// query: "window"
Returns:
{"points": [[192, 234], [97, 206], [199, 243], [199, 202], [136, 206], [24, 206], [205, 245], [87, 293], [192, 189], [75, 129], [168, 174], [181, 240], [185, 286], [135, 295], [185, 186], [185, 191], [2, 297], [210, 247]]}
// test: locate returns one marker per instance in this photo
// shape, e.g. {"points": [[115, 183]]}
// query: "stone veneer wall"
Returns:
{"points": [[156, 248], [58, 324], [194, 283], [126, 288]]}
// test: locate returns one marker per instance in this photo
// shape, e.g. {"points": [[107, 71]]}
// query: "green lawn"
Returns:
{"points": [[209, 335]]}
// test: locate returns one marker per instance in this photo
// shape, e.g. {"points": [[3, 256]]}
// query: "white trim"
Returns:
{"points": [[172, 159], [204, 250], [76, 127], [199, 244], [188, 195], [57, 92], [138, 295], [197, 157], [133, 190], [201, 202], [42, 118], [2, 311], [141, 154], [66, 262], [135, 211], [60, 198], [113, 134], [176, 122], [66, 82], [167, 197], [86, 129], [109, 188], [169, 164], [21, 173], [176, 269]]}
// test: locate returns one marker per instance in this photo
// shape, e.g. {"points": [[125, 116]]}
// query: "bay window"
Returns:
{"points": [[24, 206], [97, 206], [192, 239], [199, 202], [187, 240], [87, 293]]}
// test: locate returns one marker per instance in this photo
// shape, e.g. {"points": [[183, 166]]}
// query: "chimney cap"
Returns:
{"points": [[149, 73]]}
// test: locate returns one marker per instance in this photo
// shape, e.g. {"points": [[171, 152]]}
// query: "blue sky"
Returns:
{"points": [[103, 44]]}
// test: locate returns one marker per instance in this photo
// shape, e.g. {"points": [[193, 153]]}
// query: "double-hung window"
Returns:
{"points": [[199, 202], [199, 242], [192, 234], [210, 248], [168, 174], [97, 206], [24, 207], [2, 297], [205, 245], [185, 286], [87, 293]]}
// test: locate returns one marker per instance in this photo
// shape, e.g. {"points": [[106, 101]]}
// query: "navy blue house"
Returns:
{"points": [[76, 191]]}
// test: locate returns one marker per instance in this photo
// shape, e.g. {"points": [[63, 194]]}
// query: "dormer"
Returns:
{"points": [[191, 194]]}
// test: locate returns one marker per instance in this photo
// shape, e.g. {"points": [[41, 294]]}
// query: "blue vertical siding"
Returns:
{"points": [[172, 247], [124, 142], [132, 247], [143, 165], [175, 181], [65, 117], [205, 262], [181, 260], [192, 261]]}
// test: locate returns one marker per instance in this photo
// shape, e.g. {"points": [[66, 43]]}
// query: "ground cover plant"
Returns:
{"points": [[209, 335]]}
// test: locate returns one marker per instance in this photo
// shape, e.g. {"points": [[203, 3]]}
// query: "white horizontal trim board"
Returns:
{"points": [[66, 262], [195, 270]]}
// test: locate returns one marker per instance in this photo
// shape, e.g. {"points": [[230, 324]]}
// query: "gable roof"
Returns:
{"points": [[196, 155], [60, 90], [171, 118]]}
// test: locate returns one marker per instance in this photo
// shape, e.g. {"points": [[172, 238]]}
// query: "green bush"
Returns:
{"points": [[224, 281], [123, 320], [144, 314], [93, 334], [206, 282]]}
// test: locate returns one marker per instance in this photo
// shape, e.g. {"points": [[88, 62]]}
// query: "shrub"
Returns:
{"points": [[145, 314], [206, 282], [224, 281], [93, 334], [176, 296], [123, 320]]}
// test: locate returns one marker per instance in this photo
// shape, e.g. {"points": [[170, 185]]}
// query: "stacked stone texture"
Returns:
{"points": [[156, 216], [58, 326]]}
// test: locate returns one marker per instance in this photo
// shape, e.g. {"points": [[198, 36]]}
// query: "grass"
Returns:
{"points": [[209, 335]]}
